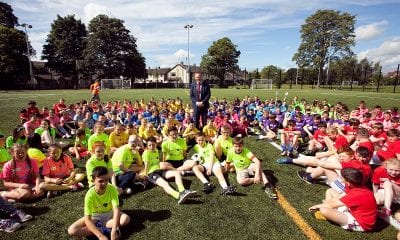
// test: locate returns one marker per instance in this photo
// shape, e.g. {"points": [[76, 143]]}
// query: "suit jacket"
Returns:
{"points": [[204, 95]]}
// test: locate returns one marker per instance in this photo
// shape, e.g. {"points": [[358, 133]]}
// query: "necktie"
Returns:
{"points": [[198, 89]]}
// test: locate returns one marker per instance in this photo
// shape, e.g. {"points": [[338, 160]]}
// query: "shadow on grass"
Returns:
{"points": [[35, 211], [271, 177], [139, 217]]}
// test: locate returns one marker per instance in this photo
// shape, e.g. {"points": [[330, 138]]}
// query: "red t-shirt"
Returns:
{"points": [[57, 169], [319, 136], [58, 107], [392, 149], [380, 176], [367, 144], [362, 205], [364, 167], [350, 131], [341, 141]]}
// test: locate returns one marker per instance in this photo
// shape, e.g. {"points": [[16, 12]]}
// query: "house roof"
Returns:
{"points": [[159, 71]]}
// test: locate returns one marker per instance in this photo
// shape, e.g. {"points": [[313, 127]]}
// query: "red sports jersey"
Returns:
{"points": [[380, 176], [362, 205]]}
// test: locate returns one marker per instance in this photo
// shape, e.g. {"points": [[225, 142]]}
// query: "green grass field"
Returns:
{"points": [[155, 215]]}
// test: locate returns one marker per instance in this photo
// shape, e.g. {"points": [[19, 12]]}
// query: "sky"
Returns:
{"points": [[267, 32]]}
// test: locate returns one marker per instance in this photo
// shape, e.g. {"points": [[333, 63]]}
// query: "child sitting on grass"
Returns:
{"points": [[386, 185], [59, 173], [355, 210], [157, 174], [103, 216], [210, 165], [289, 138], [248, 167], [21, 176]]}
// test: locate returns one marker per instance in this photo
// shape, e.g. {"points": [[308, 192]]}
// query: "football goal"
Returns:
{"points": [[349, 83], [261, 84], [115, 84]]}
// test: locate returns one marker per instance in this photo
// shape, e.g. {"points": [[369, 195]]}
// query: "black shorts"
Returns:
{"points": [[176, 163], [152, 177]]}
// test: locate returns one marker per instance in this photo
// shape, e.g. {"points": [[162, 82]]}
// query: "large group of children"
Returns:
{"points": [[121, 143]]}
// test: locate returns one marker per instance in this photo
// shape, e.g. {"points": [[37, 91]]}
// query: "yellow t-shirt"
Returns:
{"points": [[118, 141], [96, 204]]}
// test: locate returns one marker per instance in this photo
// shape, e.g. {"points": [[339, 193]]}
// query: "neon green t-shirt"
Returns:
{"points": [[99, 138], [225, 144], [98, 204], [94, 162], [4, 157], [206, 153], [123, 155], [152, 159], [10, 141], [174, 150], [36, 154], [40, 131], [240, 161]]}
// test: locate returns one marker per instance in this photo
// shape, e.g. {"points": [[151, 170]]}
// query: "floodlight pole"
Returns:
{"points": [[28, 53], [188, 27]]}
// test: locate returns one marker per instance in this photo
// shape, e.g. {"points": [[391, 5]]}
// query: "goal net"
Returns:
{"points": [[350, 83], [261, 84], [115, 84]]}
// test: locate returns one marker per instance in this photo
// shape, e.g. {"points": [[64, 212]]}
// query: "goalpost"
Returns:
{"points": [[261, 84], [115, 84], [349, 83]]}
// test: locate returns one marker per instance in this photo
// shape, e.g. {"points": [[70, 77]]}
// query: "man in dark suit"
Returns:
{"points": [[200, 95]]}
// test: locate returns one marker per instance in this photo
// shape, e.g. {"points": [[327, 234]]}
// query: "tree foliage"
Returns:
{"points": [[13, 59], [65, 44], [111, 51], [222, 57], [13, 49], [7, 17], [327, 34]]}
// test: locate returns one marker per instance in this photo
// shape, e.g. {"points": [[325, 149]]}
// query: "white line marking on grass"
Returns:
{"points": [[30, 96], [377, 97]]}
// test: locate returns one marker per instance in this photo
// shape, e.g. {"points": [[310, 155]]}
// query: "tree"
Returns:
{"points": [[13, 59], [7, 17], [327, 34], [111, 50], [13, 49], [221, 58], [65, 44]]}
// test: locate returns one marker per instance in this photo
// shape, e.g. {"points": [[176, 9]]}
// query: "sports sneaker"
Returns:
{"points": [[103, 229], [270, 191], [228, 190], [208, 188], [187, 173], [9, 225], [384, 213], [305, 177], [77, 186], [128, 191], [318, 215], [186, 194], [284, 153], [285, 160], [293, 154], [309, 152], [20, 216], [141, 184]]}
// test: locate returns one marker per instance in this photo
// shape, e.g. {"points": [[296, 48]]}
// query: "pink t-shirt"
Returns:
{"points": [[22, 173], [57, 169]]}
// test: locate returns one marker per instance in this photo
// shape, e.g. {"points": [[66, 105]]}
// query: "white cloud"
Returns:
{"points": [[173, 59], [370, 31], [388, 54], [91, 10]]}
